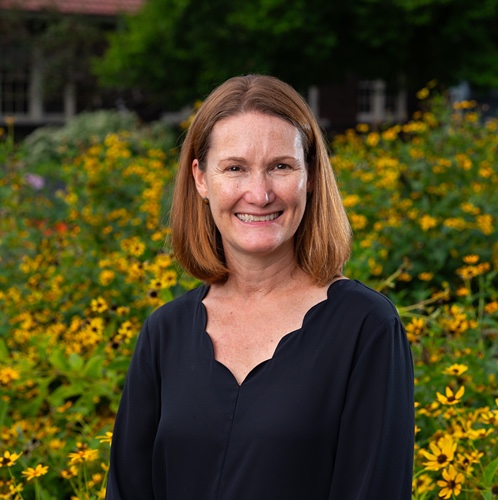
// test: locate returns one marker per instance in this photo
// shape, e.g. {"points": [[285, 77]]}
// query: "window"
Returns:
{"points": [[14, 85], [378, 102], [22, 93], [365, 96]]}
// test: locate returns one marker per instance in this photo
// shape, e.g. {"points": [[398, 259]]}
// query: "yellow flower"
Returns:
{"points": [[491, 307], [38, 471], [423, 93], [471, 259], [451, 484], [69, 473], [485, 224], [358, 221], [466, 460], [404, 276], [391, 134], [427, 222], [455, 369], [373, 139], [425, 276], [106, 439], [8, 374], [450, 398], [442, 453], [133, 246], [9, 459], [422, 483], [415, 328], [351, 200], [83, 455], [363, 127], [99, 305], [106, 276]]}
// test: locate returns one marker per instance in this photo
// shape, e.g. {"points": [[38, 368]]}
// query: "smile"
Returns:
{"points": [[258, 218]]}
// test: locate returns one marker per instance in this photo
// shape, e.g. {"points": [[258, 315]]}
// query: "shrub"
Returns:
{"points": [[83, 261], [421, 196]]}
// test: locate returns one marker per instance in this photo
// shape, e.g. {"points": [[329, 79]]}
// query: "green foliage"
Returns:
{"points": [[83, 262], [423, 196], [51, 144], [177, 50]]}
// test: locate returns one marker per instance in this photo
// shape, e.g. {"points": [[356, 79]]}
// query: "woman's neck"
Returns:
{"points": [[252, 275]]}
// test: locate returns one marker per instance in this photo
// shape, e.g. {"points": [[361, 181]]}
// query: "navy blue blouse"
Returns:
{"points": [[328, 417]]}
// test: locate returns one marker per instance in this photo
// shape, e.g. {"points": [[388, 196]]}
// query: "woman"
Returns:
{"points": [[278, 379]]}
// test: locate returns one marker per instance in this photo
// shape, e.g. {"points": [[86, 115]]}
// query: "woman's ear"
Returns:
{"points": [[200, 179], [309, 183]]}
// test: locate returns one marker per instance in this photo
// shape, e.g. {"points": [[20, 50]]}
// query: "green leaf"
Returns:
{"points": [[76, 362], [490, 472], [58, 360], [4, 352], [93, 368], [61, 394], [488, 495]]}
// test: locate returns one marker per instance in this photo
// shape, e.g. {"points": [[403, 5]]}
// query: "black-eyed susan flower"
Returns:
{"points": [[34, 472], [466, 460], [455, 369], [107, 438], [451, 398], [490, 417], [425, 276], [99, 305], [472, 258], [451, 483], [415, 328], [9, 459], [422, 484], [69, 473], [442, 454], [8, 374], [427, 222], [491, 307], [83, 455], [423, 93]]}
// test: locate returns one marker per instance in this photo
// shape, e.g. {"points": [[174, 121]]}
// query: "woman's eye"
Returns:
{"points": [[281, 166], [234, 168]]}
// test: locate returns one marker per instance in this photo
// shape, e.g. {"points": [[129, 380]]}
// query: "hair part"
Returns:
{"points": [[323, 240]]}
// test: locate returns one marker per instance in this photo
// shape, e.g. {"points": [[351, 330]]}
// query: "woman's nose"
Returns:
{"points": [[259, 191]]}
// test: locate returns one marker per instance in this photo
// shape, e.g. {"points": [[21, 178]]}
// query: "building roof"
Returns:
{"points": [[91, 7]]}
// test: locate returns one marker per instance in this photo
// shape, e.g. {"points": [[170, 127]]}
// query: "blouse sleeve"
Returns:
{"points": [[375, 445], [130, 475]]}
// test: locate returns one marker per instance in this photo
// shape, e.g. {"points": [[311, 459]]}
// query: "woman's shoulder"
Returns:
{"points": [[362, 300]]}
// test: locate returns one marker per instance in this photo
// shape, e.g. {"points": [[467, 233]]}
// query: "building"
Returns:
{"points": [[34, 92], [24, 78], [343, 105]]}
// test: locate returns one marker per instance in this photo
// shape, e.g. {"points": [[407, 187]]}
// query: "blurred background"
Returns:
{"points": [[355, 61]]}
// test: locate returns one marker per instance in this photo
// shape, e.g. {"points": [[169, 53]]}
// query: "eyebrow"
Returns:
{"points": [[240, 159]]}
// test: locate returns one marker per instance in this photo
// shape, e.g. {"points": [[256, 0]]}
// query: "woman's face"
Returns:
{"points": [[256, 180]]}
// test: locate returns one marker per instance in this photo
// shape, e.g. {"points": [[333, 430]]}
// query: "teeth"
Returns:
{"points": [[255, 218]]}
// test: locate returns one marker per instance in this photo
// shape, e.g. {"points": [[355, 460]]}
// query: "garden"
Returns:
{"points": [[85, 258]]}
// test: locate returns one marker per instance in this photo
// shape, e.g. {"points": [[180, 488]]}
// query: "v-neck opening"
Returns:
{"points": [[282, 340]]}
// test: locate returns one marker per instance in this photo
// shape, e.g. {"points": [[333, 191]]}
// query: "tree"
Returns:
{"points": [[178, 50], [63, 46]]}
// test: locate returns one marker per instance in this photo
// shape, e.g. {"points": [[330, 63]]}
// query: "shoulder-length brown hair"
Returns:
{"points": [[323, 239]]}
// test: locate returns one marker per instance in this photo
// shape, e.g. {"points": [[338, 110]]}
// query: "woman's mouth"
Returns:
{"points": [[258, 218]]}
